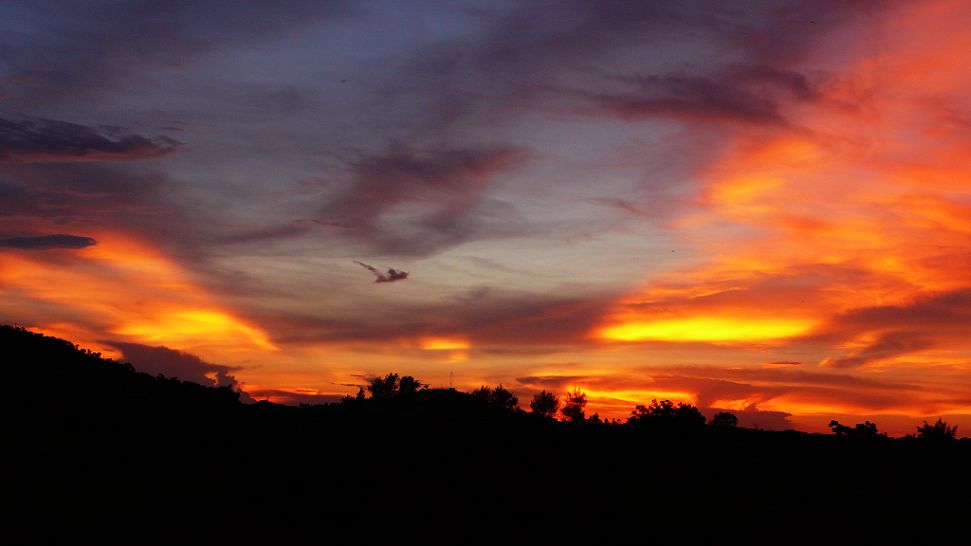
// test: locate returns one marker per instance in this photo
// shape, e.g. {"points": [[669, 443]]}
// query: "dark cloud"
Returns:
{"points": [[15, 200], [794, 83], [737, 93], [709, 59], [887, 345], [740, 93], [178, 364], [687, 98], [898, 330], [95, 196], [949, 309], [754, 418], [443, 190], [47, 242], [48, 141], [500, 319]]}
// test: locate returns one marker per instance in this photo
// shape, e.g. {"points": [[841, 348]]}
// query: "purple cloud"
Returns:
{"points": [[51, 141]]}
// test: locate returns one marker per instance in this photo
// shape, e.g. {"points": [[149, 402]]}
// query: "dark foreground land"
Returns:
{"points": [[94, 450]]}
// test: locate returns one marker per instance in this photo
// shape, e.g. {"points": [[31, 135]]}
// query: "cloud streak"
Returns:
{"points": [[688, 98], [48, 242]]}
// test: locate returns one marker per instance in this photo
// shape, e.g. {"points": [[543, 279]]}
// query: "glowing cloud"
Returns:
{"points": [[714, 329], [124, 287], [443, 344], [457, 348]]}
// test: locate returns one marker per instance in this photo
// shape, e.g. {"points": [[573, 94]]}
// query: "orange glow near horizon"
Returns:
{"points": [[123, 287]]}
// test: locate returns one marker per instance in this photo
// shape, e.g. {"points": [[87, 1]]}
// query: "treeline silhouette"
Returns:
{"points": [[171, 455]]}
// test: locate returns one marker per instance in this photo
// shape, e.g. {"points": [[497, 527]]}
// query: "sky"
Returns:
{"points": [[754, 206]]}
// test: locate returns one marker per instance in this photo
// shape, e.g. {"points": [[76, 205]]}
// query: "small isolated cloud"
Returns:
{"points": [[52, 141], [391, 276], [48, 242]]}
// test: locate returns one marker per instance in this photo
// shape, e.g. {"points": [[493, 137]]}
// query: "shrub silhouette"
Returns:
{"points": [[573, 405], [724, 419], [938, 432], [863, 430], [665, 414], [545, 403]]}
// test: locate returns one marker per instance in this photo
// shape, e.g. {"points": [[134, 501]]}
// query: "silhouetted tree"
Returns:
{"points": [[499, 397], [410, 385], [505, 399], [545, 403], [573, 404], [860, 430], [392, 385], [724, 419], [384, 387], [665, 413], [938, 432], [482, 393]]}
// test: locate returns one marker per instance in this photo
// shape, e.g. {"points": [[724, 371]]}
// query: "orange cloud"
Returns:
{"points": [[842, 239], [122, 287], [857, 207]]}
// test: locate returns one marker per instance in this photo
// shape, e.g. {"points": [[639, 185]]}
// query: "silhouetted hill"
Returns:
{"points": [[55, 375], [99, 448]]}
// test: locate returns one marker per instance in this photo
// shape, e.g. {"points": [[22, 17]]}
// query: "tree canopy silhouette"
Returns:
{"points": [[545, 404], [666, 414], [393, 385], [863, 430], [498, 397], [938, 432], [573, 406], [724, 419]]}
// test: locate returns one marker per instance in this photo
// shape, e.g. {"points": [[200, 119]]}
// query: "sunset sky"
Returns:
{"points": [[763, 207]]}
